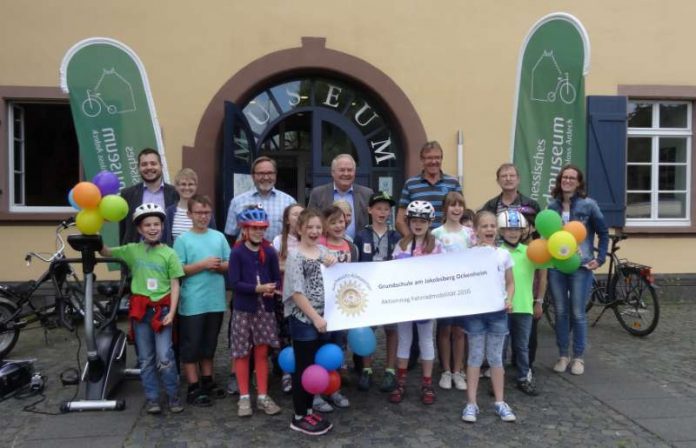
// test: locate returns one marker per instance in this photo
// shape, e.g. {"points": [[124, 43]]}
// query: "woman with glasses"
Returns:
{"points": [[570, 291]]}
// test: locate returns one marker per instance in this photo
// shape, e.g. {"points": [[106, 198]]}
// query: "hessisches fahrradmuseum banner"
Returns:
{"points": [[113, 111], [376, 293], [549, 114]]}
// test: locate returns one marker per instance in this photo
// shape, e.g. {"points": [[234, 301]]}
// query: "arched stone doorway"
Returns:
{"points": [[311, 59]]}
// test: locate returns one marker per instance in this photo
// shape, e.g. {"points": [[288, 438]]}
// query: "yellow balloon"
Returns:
{"points": [[562, 245], [89, 221]]}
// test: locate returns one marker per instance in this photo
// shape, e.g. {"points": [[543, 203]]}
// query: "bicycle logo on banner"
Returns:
{"points": [[112, 92], [542, 89]]}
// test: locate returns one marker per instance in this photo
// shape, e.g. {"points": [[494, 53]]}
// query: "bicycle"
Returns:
{"points": [[18, 310], [629, 291]]}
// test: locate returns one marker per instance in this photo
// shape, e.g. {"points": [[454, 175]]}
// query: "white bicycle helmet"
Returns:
{"points": [[143, 211], [511, 219], [420, 209]]}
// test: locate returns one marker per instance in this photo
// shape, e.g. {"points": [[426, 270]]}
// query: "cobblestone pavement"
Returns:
{"points": [[565, 414]]}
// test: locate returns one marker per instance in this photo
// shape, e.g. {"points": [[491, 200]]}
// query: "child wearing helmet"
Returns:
{"points": [[254, 274], [419, 241], [512, 225], [156, 270]]}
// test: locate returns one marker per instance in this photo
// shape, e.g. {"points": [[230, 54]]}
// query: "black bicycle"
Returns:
{"points": [[628, 290], [63, 306]]}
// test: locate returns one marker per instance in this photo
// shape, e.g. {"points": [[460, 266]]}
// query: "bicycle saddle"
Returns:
{"points": [[22, 290], [108, 289]]}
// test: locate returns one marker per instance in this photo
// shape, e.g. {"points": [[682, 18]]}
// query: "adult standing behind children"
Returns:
{"points": [[376, 242], [264, 172], [430, 185], [152, 189], [177, 221], [508, 179], [156, 270], [204, 254], [343, 168]]}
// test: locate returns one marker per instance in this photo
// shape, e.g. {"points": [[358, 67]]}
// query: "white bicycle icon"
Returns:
{"points": [[92, 106], [565, 90]]}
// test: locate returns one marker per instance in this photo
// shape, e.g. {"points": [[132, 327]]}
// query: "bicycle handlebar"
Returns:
{"points": [[60, 244]]}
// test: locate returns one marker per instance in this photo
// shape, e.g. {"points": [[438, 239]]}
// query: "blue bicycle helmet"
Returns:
{"points": [[253, 216]]}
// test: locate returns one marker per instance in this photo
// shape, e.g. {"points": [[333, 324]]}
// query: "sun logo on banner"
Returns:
{"points": [[351, 299]]}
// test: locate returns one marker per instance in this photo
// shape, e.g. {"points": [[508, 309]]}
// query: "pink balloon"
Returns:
{"points": [[315, 379]]}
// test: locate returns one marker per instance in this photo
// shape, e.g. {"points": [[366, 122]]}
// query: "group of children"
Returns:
{"points": [[287, 271]]}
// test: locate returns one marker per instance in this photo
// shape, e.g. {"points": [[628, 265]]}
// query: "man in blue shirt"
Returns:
{"points": [[273, 201], [430, 185]]}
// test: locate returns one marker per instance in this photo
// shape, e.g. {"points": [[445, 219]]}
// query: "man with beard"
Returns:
{"points": [[152, 189], [273, 201]]}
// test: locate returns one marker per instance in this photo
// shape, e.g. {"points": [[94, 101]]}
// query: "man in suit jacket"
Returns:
{"points": [[151, 189], [343, 188]]}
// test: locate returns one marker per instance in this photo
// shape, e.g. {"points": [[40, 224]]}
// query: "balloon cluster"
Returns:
{"points": [[558, 247], [97, 201], [322, 376]]}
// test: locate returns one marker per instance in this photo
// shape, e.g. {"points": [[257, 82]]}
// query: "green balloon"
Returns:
{"points": [[547, 222], [569, 265], [113, 207]]}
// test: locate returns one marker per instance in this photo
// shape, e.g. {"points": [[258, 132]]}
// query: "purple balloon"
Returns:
{"points": [[107, 182]]}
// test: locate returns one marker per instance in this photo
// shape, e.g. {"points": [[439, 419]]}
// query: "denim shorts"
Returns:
{"points": [[486, 323], [300, 331]]}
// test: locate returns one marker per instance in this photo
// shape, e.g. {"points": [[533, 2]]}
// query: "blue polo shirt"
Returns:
{"points": [[417, 188]]}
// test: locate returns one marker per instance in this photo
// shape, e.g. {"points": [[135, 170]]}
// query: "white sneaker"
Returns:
{"points": [[459, 380], [504, 412], [561, 365], [446, 380], [339, 400], [577, 367], [321, 405], [469, 413]]}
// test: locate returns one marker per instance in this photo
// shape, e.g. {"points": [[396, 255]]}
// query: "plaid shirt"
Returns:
{"points": [[274, 203]]}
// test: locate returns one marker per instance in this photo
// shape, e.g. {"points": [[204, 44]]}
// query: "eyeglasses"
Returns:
{"points": [[507, 176], [265, 173]]}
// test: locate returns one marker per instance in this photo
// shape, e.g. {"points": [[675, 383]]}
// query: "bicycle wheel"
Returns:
{"points": [[636, 307], [8, 337], [549, 309]]}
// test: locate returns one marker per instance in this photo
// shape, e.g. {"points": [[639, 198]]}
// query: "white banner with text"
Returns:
{"points": [[384, 292]]}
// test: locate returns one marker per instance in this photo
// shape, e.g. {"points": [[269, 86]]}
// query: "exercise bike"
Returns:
{"points": [[106, 344]]}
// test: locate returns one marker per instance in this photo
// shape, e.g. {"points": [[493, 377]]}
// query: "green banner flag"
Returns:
{"points": [[549, 121], [113, 111]]}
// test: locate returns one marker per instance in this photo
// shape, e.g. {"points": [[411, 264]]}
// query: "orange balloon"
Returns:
{"points": [[87, 195], [334, 383], [577, 229], [538, 252]]}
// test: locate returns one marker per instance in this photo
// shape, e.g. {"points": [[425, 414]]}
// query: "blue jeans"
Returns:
{"points": [[570, 293], [155, 352], [520, 330]]}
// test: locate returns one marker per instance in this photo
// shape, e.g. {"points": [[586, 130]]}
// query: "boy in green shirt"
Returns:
{"points": [[511, 225], [156, 270]]}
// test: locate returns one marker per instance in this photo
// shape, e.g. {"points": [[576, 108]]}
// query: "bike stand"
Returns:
{"points": [[106, 351]]}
